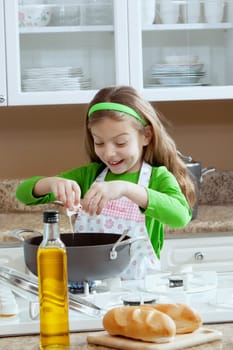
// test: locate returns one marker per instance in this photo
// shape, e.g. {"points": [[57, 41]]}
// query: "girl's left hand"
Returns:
{"points": [[100, 192]]}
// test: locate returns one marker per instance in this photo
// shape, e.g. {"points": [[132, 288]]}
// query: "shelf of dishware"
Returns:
{"points": [[47, 17], [193, 13]]}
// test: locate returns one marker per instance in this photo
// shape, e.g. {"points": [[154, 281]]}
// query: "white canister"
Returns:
{"points": [[214, 10], [192, 11], [169, 11], [148, 9]]}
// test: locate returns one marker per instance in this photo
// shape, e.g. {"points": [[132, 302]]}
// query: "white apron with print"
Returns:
{"points": [[118, 215]]}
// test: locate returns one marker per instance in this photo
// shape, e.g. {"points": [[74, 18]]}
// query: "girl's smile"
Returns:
{"points": [[119, 144]]}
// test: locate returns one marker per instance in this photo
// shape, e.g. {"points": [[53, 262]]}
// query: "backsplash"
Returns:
{"points": [[8, 201], [216, 188]]}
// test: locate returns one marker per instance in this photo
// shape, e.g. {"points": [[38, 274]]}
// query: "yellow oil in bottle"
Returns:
{"points": [[54, 308]]}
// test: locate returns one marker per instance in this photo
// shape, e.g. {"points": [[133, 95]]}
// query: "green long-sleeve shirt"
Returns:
{"points": [[166, 203]]}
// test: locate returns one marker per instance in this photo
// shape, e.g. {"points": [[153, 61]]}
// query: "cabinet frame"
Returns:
{"points": [[3, 83], [17, 97]]}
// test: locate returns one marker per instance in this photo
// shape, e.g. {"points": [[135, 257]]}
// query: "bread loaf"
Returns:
{"points": [[147, 324], [185, 317]]}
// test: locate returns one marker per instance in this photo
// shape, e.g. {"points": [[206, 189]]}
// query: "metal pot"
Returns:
{"points": [[90, 256], [196, 173]]}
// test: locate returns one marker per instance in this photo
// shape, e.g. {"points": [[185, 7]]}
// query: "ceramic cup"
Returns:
{"points": [[148, 11], [192, 11], [214, 10], [169, 11]]}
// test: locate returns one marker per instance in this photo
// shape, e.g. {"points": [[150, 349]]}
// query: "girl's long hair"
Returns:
{"points": [[162, 148]]}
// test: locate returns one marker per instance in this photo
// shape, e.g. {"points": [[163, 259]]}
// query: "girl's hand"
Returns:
{"points": [[66, 191], [100, 192]]}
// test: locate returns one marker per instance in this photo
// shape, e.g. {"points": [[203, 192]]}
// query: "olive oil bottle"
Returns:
{"points": [[53, 289]]}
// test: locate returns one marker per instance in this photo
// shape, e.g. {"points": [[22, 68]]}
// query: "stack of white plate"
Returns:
{"points": [[176, 74], [54, 79]]}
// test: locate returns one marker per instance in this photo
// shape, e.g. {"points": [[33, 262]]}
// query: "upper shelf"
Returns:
{"points": [[188, 26], [68, 29], [110, 28]]}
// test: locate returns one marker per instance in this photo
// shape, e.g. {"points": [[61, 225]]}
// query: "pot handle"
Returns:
{"points": [[18, 233], [186, 159], [113, 252], [206, 171]]}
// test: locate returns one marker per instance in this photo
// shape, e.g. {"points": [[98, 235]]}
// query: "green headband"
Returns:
{"points": [[112, 106]]}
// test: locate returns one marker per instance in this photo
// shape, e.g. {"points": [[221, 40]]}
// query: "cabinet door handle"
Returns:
{"points": [[199, 256], [2, 99]]}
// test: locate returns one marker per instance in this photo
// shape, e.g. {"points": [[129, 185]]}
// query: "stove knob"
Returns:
{"points": [[199, 256]]}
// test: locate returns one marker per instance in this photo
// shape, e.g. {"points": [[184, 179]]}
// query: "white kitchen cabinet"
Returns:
{"points": [[208, 38], [82, 48], [113, 42], [211, 43], [3, 99]]}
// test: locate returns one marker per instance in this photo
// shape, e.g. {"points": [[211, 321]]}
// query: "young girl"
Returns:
{"points": [[135, 180]]}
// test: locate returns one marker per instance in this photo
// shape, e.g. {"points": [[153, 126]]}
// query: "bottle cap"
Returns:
{"points": [[51, 216]]}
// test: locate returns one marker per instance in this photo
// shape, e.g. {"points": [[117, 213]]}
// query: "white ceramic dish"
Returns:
{"points": [[192, 11], [148, 11], [169, 11], [214, 10], [177, 68], [54, 79], [157, 85], [177, 80], [34, 15]]}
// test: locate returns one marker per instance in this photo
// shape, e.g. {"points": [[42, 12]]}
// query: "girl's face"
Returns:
{"points": [[119, 145]]}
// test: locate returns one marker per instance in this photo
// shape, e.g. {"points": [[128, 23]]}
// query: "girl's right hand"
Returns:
{"points": [[66, 191]]}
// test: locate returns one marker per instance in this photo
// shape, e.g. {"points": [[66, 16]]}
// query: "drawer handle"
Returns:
{"points": [[2, 99], [199, 256]]}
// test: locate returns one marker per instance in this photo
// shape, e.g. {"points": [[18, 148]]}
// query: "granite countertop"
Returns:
{"points": [[78, 341], [215, 208], [210, 219]]}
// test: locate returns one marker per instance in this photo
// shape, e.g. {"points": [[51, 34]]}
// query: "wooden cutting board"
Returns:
{"points": [[181, 341]]}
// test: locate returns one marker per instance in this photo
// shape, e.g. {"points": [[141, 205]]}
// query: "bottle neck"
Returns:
{"points": [[51, 231]]}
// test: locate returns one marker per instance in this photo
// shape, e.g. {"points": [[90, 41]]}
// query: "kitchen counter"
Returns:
{"points": [[78, 341]]}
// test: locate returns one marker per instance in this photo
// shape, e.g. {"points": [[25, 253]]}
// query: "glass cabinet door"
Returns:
{"points": [[63, 51], [3, 99], [182, 49]]}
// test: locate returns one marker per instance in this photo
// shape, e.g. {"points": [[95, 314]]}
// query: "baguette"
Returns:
{"points": [[187, 319], [141, 323]]}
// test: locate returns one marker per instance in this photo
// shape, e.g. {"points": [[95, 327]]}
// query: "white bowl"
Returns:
{"points": [[181, 59], [34, 15]]}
